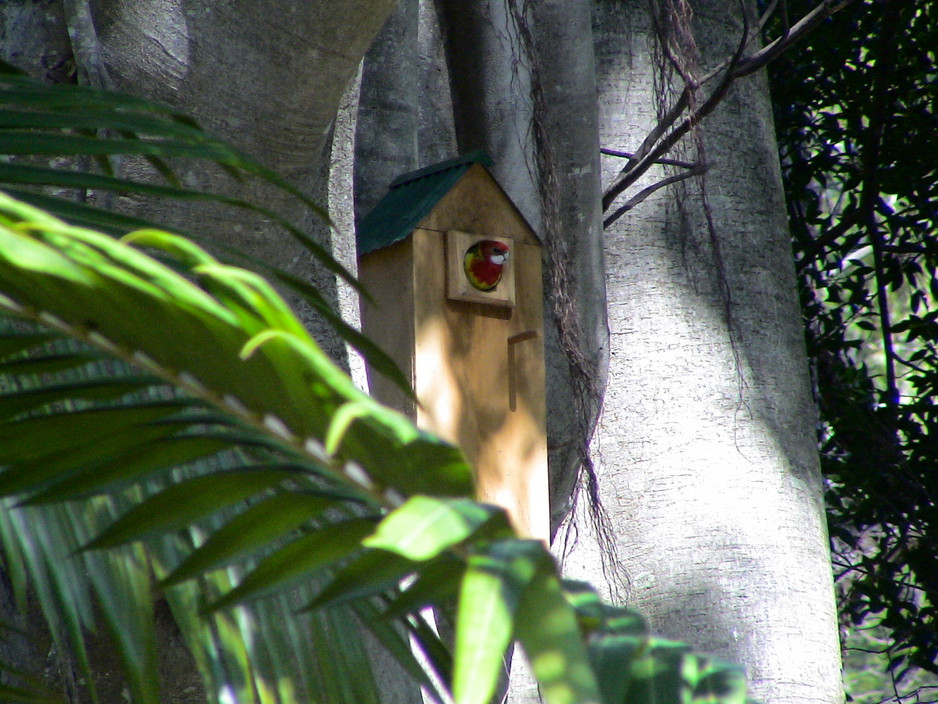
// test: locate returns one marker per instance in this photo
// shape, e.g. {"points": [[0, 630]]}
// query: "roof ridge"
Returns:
{"points": [[478, 156]]}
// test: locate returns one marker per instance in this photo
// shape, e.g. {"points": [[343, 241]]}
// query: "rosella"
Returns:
{"points": [[484, 262]]}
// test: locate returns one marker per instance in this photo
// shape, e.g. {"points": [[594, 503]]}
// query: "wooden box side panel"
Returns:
{"points": [[522, 467], [388, 275]]}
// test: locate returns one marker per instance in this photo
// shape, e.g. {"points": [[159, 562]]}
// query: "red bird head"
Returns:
{"points": [[484, 262]]}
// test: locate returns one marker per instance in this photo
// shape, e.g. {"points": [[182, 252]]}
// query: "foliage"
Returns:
{"points": [[856, 125], [164, 413], [867, 676]]}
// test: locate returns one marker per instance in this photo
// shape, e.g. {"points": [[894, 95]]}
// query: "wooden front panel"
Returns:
{"points": [[479, 377]]}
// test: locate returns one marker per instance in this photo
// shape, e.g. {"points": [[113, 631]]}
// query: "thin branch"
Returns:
{"points": [[668, 162], [737, 66], [764, 19], [911, 365], [697, 170], [626, 179], [86, 48], [831, 235], [885, 322], [801, 28], [879, 578], [647, 144], [874, 135]]}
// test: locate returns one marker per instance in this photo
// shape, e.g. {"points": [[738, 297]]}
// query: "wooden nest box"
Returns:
{"points": [[475, 354]]}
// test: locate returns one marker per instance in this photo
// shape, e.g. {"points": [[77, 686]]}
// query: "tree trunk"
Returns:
{"points": [[566, 133], [709, 462], [266, 76], [386, 135]]}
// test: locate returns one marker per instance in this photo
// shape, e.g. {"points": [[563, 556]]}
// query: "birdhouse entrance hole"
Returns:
{"points": [[458, 285]]}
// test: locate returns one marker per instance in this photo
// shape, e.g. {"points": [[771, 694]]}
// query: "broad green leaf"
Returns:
{"points": [[425, 526], [47, 364], [337, 637], [36, 473], [594, 615], [122, 587], [81, 214], [45, 537], [721, 681], [43, 436], [15, 342], [612, 656], [22, 695], [395, 640], [168, 134], [492, 587], [97, 120], [103, 389], [74, 144], [548, 630], [670, 671], [139, 463], [436, 583]]}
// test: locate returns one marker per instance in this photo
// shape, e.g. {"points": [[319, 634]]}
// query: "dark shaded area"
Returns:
{"points": [[856, 122]]}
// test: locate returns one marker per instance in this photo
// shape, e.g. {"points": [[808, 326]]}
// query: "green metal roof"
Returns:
{"points": [[409, 198]]}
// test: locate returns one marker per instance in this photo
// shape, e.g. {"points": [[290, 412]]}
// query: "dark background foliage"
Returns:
{"points": [[856, 122]]}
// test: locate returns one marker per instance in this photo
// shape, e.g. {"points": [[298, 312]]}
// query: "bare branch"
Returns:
{"points": [[650, 139], [654, 147], [627, 178], [645, 192], [668, 162], [832, 234], [763, 20], [801, 28]]}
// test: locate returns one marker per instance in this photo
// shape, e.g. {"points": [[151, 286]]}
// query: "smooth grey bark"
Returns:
{"points": [[341, 207], [268, 76], [405, 112], [387, 132], [566, 131], [490, 86], [34, 38], [436, 131], [709, 460]]}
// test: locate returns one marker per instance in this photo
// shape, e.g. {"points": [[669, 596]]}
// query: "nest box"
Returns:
{"points": [[474, 351]]}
